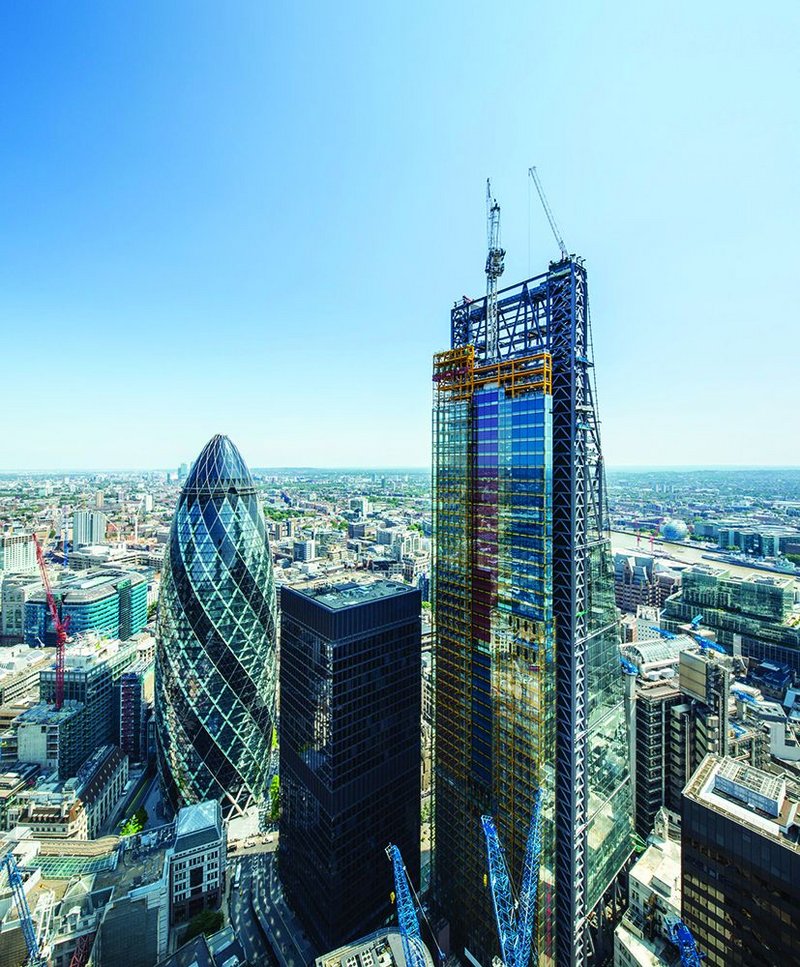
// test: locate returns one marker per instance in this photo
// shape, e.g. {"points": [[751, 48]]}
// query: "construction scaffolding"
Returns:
{"points": [[528, 688]]}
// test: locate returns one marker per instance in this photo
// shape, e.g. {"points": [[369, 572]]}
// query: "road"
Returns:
{"points": [[127, 806], [291, 947], [623, 541], [243, 918]]}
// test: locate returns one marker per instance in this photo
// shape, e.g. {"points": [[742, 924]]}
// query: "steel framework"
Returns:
{"points": [[535, 339], [413, 947], [35, 958], [515, 920], [83, 949]]}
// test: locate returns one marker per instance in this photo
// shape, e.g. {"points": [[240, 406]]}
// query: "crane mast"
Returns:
{"points": [[35, 958], [61, 627], [413, 947], [515, 921], [495, 263]]}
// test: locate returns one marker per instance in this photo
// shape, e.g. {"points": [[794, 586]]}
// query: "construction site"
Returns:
{"points": [[531, 739]]}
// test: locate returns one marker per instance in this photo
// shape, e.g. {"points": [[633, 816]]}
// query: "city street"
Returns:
{"points": [[291, 947], [242, 917]]}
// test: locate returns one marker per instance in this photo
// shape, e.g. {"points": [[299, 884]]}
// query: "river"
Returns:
{"points": [[623, 541]]}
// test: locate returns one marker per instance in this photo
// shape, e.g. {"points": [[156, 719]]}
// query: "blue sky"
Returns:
{"points": [[253, 218]]}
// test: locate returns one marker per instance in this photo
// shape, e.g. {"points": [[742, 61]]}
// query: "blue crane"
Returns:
{"points": [[515, 919], [706, 643], [35, 958], [697, 620], [680, 935], [628, 666], [663, 632], [744, 696], [407, 903]]}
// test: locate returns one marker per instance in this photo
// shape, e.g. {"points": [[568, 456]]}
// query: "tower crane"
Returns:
{"points": [[61, 627], [82, 950], [547, 210], [407, 904], [35, 958], [680, 935], [495, 263], [515, 919]]}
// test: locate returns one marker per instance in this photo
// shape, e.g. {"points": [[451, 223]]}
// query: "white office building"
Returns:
{"points": [[88, 527]]}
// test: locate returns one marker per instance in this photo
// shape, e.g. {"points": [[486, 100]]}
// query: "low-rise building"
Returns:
{"points": [[15, 590], [77, 808], [654, 894], [52, 738], [93, 670], [109, 601], [384, 948], [17, 554], [751, 616], [197, 862], [20, 666], [138, 908]]}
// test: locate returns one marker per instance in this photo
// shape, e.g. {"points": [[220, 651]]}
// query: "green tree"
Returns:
{"points": [[206, 921], [275, 799], [130, 827]]}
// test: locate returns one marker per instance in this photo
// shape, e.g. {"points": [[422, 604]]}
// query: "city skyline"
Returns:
{"points": [[201, 234]]}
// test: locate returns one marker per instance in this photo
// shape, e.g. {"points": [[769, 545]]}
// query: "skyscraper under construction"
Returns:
{"points": [[528, 687]]}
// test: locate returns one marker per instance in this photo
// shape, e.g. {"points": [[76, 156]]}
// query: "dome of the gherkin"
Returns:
{"points": [[215, 655], [219, 465]]}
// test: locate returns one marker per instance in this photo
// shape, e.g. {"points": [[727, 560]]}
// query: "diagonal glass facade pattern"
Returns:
{"points": [[215, 656]]}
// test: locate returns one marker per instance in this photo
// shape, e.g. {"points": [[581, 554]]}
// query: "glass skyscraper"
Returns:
{"points": [[215, 655], [528, 687], [351, 688]]}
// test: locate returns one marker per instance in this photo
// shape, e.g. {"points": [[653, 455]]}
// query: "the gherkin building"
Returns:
{"points": [[215, 659]]}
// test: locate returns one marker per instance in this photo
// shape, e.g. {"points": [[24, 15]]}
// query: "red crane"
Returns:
{"points": [[61, 627]]}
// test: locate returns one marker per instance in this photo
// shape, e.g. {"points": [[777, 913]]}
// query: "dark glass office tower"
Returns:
{"points": [[215, 655], [350, 681], [528, 687], [740, 864]]}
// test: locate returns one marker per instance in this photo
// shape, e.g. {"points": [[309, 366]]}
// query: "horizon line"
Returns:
{"points": [[669, 468]]}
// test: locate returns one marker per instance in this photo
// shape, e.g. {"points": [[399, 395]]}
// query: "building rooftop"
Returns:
{"points": [[659, 869], [643, 951], [347, 594], [47, 714], [197, 825], [384, 948], [657, 651], [135, 871], [86, 586], [761, 801], [19, 658]]}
